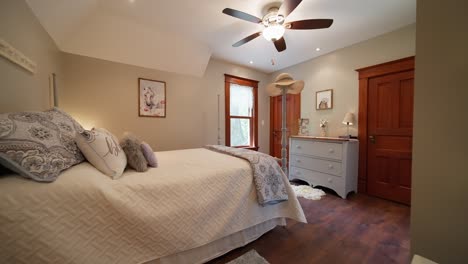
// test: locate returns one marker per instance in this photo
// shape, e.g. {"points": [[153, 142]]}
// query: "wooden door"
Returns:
{"points": [[390, 135], [293, 113]]}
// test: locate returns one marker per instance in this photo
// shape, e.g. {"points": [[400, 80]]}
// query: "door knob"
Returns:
{"points": [[372, 139]]}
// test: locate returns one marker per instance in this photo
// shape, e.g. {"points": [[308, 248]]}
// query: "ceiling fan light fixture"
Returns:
{"points": [[273, 32], [275, 24]]}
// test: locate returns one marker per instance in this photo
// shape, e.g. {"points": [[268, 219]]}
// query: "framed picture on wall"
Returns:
{"points": [[151, 98], [324, 99]]}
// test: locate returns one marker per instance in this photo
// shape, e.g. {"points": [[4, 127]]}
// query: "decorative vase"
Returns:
{"points": [[323, 132]]}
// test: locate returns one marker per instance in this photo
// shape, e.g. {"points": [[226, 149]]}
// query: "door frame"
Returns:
{"points": [[401, 65]]}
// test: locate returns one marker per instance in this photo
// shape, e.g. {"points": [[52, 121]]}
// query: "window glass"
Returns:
{"points": [[240, 132], [241, 100]]}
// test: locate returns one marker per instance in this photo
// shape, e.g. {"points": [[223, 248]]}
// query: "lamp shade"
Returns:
{"points": [[349, 119]]}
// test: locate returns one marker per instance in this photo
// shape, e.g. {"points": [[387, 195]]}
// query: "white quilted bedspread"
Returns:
{"points": [[195, 196]]}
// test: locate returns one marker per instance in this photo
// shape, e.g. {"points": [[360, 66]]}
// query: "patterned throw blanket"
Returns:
{"points": [[270, 181]]}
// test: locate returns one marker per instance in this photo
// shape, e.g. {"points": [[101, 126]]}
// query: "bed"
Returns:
{"points": [[197, 205]]}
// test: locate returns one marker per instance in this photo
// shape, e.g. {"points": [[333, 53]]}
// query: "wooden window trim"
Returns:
{"points": [[365, 74], [228, 79]]}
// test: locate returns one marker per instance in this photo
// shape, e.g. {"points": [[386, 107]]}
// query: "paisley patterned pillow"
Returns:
{"points": [[39, 145]]}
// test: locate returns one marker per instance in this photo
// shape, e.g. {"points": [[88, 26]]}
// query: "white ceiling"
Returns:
{"points": [[181, 36]]}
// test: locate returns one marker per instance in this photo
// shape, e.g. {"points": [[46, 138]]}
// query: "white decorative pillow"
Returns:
{"points": [[102, 150]]}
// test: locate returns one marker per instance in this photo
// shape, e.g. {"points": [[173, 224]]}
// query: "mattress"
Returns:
{"points": [[193, 198]]}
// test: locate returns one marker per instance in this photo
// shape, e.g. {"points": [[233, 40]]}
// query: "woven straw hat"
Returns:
{"points": [[282, 80]]}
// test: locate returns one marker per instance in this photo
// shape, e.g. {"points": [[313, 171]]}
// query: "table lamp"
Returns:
{"points": [[348, 121]]}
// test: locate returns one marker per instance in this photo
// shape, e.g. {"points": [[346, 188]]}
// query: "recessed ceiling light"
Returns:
{"points": [[317, 49], [251, 62], [131, 1]]}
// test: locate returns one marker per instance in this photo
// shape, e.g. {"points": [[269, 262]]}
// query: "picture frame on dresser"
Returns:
{"points": [[327, 162], [304, 126]]}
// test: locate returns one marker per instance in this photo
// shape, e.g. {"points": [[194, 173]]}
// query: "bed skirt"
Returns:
{"points": [[221, 246]]}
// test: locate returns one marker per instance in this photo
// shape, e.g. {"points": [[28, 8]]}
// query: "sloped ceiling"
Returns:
{"points": [[181, 36]]}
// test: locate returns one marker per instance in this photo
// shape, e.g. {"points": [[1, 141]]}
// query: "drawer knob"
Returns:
{"points": [[298, 173], [330, 180], [298, 161], [331, 150], [330, 166], [298, 146]]}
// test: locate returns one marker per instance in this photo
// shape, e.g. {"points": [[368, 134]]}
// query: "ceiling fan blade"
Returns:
{"points": [[288, 6], [241, 15], [247, 39], [280, 44], [310, 24]]}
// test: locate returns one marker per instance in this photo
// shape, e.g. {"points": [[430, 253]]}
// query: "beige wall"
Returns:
{"points": [[20, 89], [104, 94], [336, 71], [439, 212]]}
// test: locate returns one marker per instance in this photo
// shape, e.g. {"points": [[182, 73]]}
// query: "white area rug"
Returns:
{"points": [[308, 192], [251, 257]]}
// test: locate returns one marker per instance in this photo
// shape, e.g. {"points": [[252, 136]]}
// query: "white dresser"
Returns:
{"points": [[327, 162]]}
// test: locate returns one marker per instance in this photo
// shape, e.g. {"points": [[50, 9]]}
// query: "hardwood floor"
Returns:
{"points": [[361, 229]]}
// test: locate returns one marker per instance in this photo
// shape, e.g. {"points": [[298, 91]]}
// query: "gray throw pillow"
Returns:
{"points": [[39, 145], [135, 158], [149, 155]]}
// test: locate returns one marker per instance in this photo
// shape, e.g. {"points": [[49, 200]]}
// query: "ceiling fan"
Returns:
{"points": [[275, 23]]}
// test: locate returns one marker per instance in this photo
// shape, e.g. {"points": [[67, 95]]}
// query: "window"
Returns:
{"points": [[241, 112]]}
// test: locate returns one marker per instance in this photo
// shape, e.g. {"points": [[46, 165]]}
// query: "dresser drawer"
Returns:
{"points": [[317, 178], [317, 148], [325, 166]]}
